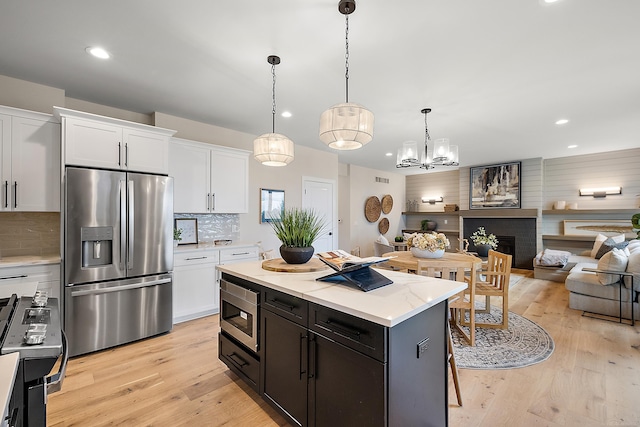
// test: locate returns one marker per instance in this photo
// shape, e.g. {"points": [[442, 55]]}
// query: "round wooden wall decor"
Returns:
{"points": [[372, 209], [387, 204], [383, 226]]}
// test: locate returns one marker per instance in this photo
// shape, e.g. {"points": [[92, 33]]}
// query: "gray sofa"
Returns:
{"points": [[595, 292]]}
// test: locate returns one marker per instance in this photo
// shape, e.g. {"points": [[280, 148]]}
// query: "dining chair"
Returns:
{"points": [[492, 281], [455, 270], [452, 271]]}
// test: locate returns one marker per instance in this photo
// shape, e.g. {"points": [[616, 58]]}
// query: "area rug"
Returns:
{"points": [[523, 344]]}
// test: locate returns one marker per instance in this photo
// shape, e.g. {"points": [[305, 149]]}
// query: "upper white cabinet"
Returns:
{"points": [[208, 178], [30, 161], [104, 142]]}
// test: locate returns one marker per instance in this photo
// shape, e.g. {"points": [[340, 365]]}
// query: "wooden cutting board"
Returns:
{"points": [[278, 264]]}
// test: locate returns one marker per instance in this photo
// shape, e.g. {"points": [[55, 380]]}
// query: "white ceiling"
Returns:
{"points": [[497, 73]]}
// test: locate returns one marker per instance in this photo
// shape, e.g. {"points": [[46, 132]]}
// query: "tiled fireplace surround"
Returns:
{"points": [[522, 229]]}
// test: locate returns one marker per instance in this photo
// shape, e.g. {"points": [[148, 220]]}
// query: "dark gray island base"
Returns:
{"points": [[320, 366]]}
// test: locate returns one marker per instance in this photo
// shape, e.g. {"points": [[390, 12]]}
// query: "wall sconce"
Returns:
{"points": [[600, 192], [432, 200]]}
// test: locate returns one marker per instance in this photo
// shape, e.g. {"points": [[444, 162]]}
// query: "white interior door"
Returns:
{"points": [[319, 195]]}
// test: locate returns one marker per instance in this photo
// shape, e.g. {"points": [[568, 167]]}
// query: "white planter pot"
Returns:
{"points": [[424, 253]]}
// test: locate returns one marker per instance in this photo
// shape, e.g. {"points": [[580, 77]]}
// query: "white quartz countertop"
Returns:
{"points": [[408, 295], [211, 246], [19, 261], [8, 369]]}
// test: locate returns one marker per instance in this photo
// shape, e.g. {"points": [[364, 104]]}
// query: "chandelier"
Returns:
{"points": [[273, 149], [346, 126], [443, 154]]}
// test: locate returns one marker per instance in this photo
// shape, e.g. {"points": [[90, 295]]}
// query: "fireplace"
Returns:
{"points": [[516, 236], [507, 245]]}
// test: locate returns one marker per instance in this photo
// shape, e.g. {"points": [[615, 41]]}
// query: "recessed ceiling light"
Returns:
{"points": [[572, 146], [389, 154], [550, 1], [562, 122], [286, 114], [98, 52]]}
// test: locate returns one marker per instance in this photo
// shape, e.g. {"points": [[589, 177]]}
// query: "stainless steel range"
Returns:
{"points": [[30, 326]]}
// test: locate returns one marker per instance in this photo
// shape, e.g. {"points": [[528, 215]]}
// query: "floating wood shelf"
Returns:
{"points": [[590, 211]]}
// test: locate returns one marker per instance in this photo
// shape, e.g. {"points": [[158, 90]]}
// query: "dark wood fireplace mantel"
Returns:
{"points": [[499, 213]]}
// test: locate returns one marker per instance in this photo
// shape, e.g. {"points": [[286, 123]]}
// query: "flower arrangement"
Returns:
{"points": [[480, 237], [428, 241]]}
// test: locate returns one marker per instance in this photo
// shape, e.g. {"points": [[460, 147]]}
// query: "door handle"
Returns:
{"points": [[119, 288], [123, 226], [130, 226]]}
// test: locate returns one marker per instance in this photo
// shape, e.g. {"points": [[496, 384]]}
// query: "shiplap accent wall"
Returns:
{"points": [[434, 184], [563, 178]]}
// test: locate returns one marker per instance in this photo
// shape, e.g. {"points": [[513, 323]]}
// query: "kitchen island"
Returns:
{"points": [[327, 354]]}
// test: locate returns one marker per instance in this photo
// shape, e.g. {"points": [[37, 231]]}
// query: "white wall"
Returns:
{"points": [[362, 185], [29, 96]]}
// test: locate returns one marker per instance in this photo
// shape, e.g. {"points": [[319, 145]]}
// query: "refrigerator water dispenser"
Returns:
{"points": [[97, 243]]}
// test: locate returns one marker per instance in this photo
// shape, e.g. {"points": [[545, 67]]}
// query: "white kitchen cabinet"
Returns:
{"points": [[26, 279], [196, 280], [194, 284], [30, 161], [105, 142], [208, 178]]}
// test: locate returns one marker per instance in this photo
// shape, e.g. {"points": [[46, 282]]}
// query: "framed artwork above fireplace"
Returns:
{"points": [[495, 186]]}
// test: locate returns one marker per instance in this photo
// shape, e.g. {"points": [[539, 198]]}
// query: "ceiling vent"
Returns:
{"points": [[382, 180]]}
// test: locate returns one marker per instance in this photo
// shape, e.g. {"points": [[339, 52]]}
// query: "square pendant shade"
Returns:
{"points": [[346, 126], [273, 149]]}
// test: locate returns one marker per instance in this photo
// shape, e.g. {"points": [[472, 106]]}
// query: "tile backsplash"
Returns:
{"points": [[29, 233], [215, 226]]}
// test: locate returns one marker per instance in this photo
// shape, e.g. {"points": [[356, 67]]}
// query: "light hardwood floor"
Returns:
{"points": [[592, 378]]}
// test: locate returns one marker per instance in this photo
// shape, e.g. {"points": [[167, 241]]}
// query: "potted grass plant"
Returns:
{"points": [[297, 229], [483, 241]]}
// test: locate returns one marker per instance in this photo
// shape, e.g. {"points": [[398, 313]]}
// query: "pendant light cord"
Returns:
{"points": [[273, 104], [346, 57], [426, 132]]}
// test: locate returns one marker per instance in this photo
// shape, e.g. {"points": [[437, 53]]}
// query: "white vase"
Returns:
{"points": [[424, 253]]}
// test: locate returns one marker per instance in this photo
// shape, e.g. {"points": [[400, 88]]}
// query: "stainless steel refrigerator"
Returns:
{"points": [[118, 257]]}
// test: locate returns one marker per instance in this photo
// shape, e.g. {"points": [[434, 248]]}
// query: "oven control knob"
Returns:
{"points": [[39, 299], [35, 334]]}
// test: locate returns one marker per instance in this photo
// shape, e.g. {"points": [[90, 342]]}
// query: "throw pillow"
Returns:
{"points": [[383, 240], [614, 260], [633, 267], [600, 238], [609, 244]]}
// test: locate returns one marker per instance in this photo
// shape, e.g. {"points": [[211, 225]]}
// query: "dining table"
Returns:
{"points": [[405, 260]]}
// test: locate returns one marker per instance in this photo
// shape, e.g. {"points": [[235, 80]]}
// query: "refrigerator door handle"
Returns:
{"points": [[123, 224], [130, 226], [120, 288]]}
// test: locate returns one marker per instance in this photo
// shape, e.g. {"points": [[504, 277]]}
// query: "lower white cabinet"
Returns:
{"points": [[196, 281], [25, 280]]}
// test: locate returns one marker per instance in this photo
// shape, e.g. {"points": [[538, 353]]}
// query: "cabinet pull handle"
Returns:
{"points": [[14, 277], [240, 253], [282, 304], [199, 257], [119, 154], [242, 363], [15, 194], [208, 204], [126, 155], [213, 201], [303, 361], [6, 194], [312, 357], [342, 329]]}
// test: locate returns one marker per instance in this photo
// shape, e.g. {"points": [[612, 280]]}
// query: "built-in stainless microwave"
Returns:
{"points": [[239, 313]]}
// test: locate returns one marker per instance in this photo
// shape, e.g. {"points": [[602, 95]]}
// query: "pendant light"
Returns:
{"points": [[346, 126], [273, 149], [443, 154]]}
